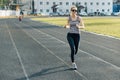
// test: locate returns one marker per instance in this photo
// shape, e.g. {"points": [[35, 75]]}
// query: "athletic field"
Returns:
{"points": [[33, 50], [101, 25]]}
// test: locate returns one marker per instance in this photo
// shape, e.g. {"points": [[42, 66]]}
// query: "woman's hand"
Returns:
{"points": [[66, 26], [79, 27]]}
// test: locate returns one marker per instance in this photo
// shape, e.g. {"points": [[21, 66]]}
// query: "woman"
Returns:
{"points": [[21, 15], [75, 23]]}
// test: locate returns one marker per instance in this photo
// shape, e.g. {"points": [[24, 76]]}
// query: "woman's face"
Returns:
{"points": [[74, 10]]}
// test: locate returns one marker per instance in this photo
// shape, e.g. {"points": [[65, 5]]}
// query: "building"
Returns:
{"points": [[90, 6]]}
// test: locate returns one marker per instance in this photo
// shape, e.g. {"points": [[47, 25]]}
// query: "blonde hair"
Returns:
{"points": [[73, 7]]}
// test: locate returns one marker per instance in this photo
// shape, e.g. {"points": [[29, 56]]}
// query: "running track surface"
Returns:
{"points": [[32, 50]]}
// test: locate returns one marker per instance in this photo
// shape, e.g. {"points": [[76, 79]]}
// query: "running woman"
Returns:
{"points": [[75, 23], [21, 15]]}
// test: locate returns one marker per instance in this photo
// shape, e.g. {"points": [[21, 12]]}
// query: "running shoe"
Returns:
{"points": [[74, 66]]}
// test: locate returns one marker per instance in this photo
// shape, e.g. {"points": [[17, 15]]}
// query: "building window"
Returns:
{"points": [[47, 3], [67, 10], [97, 3], [47, 10], [97, 10], [108, 3], [60, 3], [79, 3], [41, 10], [41, 3], [103, 10], [108, 10], [73, 3], [103, 3], [67, 3], [85, 3], [91, 3], [54, 3]]}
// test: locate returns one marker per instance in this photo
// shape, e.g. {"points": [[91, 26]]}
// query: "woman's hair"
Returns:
{"points": [[73, 7]]}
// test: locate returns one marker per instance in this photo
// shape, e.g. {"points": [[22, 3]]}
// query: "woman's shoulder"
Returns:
{"points": [[79, 17], [69, 18]]}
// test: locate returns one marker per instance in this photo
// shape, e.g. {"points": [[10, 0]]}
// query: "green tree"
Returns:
{"points": [[79, 7], [4, 3], [54, 8]]}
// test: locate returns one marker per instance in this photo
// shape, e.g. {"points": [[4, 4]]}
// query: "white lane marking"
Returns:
{"points": [[81, 50], [85, 31], [90, 42], [116, 67], [53, 52], [18, 55], [101, 47], [102, 35], [95, 44]]}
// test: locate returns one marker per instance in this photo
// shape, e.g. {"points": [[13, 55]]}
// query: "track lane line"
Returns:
{"points": [[116, 67], [52, 52], [101, 46], [81, 50], [110, 49], [85, 31], [18, 54]]}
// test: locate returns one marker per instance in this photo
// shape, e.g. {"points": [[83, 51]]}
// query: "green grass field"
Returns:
{"points": [[102, 25]]}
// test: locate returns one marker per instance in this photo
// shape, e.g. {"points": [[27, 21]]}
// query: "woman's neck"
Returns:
{"points": [[73, 17]]}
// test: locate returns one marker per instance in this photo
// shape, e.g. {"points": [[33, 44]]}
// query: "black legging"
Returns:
{"points": [[73, 40]]}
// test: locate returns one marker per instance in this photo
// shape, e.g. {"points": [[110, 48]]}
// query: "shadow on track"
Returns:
{"points": [[47, 71]]}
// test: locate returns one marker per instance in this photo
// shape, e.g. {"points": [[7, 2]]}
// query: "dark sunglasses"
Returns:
{"points": [[74, 10]]}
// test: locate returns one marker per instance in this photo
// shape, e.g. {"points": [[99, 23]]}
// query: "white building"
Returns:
{"points": [[102, 6]]}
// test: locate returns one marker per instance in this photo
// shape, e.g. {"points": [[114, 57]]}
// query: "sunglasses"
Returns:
{"points": [[74, 10]]}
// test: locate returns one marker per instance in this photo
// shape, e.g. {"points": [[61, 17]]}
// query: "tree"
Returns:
{"points": [[4, 3], [33, 10], [79, 7], [54, 8]]}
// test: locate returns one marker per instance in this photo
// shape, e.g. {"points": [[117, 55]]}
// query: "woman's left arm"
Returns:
{"points": [[81, 25]]}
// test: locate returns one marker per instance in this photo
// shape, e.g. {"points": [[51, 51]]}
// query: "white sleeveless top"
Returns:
{"points": [[73, 27]]}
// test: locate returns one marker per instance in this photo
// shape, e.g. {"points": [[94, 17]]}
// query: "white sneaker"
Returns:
{"points": [[74, 66]]}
